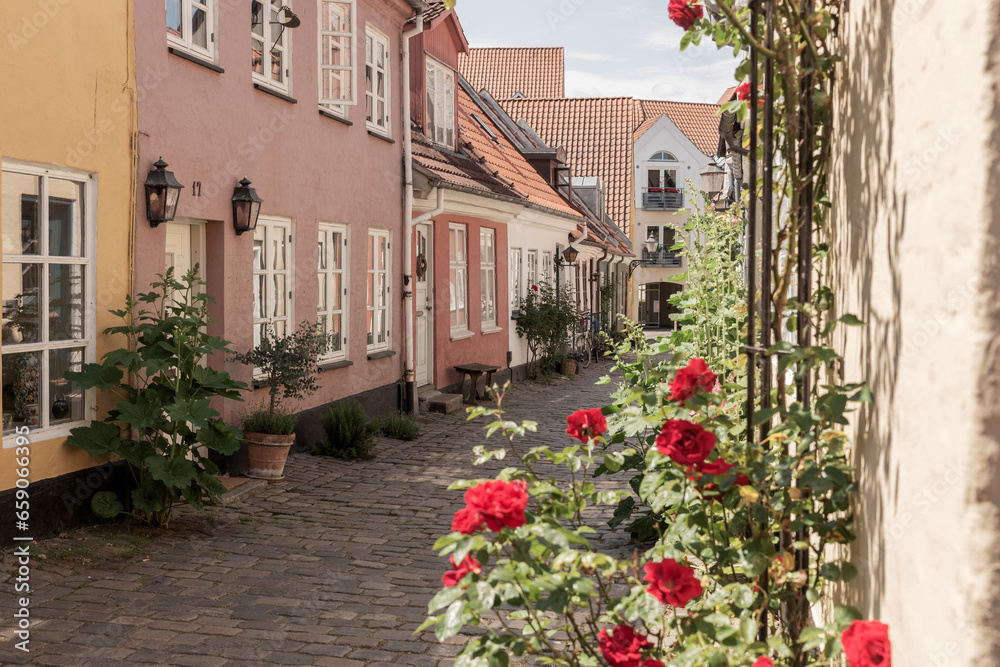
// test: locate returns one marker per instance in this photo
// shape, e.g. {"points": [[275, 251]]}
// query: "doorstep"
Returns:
{"points": [[240, 488]]}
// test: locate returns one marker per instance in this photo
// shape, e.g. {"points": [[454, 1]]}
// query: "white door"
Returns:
{"points": [[185, 247], [424, 301]]}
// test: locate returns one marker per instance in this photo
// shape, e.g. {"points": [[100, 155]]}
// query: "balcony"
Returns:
{"points": [[662, 199], [660, 258]]}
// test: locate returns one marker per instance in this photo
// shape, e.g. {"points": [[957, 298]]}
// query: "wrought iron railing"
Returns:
{"points": [[662, 199], [660, 258]]}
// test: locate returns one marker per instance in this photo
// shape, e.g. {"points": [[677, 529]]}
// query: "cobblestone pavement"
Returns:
{"points": [[333, 567]]}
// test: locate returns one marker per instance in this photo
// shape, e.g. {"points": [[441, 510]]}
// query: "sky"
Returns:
{"points": [[612, 47]]}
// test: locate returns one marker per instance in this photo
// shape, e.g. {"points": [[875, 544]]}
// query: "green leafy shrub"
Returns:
{"points": [[547, 316], [399, 427], [162, 421], [262, 420], [348, 433]]}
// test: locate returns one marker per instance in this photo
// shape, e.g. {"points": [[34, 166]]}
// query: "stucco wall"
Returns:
{"points": [[215, 128], [914, 232], [68, 102]]}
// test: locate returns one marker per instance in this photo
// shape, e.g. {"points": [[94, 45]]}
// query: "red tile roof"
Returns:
{"points": [[728, 95], [535, 73], [597, 135], [698, 122], [494, 166]]}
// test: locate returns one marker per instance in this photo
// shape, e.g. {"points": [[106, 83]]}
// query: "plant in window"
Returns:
{"points": [[162, 423], [288, 366]]}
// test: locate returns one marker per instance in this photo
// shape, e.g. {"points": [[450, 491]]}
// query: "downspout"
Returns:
{"points": [[408, 286]]}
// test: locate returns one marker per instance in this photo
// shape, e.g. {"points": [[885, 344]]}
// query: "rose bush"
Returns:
{"points": [[866, 644], [684, 12]]}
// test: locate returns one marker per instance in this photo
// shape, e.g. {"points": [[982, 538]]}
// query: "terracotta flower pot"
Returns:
{"points": [[267, 455]]}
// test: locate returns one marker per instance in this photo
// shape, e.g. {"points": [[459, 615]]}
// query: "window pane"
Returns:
{"points": [[259, 297], [337, 249], [257, 55], [336, 17], [280, 244], [276, 28], [383, 243], [337, 343], [257, 17], [174, 18], [336, 292], [321, 251], [199, 27], [280, 328], [21, 314], [66, 399], [65, 223], [670, 178], [259, 260], [280, 295], [20, 214], [66, 302], [321, 302], [380, 293], [371, 291], [21, 393], [277, 68]]}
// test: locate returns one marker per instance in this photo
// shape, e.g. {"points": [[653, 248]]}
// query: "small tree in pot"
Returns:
{"points": [[287, 365]]}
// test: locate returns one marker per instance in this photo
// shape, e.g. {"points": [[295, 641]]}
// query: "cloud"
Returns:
{"points": [[591, 57]]}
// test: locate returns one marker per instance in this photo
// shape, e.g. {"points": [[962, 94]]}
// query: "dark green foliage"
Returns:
{"points": [[261, 420], [348, 433], [399, 427], [547, 316], [162, 418]]}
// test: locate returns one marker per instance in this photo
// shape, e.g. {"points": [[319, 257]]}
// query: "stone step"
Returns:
{"points": [[445, 403]]}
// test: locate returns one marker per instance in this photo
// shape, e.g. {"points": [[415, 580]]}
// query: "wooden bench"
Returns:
{"points": [[475, 371]]}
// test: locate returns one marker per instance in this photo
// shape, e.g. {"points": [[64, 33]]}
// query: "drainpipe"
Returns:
{"points": [[408, 286]]}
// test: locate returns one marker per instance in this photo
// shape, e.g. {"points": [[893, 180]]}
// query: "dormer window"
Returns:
{"points": [[440, 125]]}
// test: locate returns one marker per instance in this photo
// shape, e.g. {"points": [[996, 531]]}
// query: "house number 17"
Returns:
{"points": [[196, 189]]}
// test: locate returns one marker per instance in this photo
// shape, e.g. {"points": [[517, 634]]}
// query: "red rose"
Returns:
{"points": [[717, 468], [650, 662], [534, 287], [763, 661], [866, 644], [624, 647], [584, 425], [684, 12], [684, 442], [499, 503], [743, 91], [672, 583], [467, 521], [469, 564], [691, 379]]}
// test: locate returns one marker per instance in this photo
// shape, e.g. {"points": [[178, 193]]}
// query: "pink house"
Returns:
{"points": [[304, 98]]}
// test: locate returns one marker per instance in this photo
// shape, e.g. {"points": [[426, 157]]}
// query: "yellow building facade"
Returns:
{"points": [[67, 186]]}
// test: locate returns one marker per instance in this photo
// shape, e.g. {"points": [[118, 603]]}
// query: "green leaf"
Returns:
{"points": [[211, 485], [847, 571], [844, 615], [481, 597], [452, 621], [194, 410], [192, 494], [742, 596], [140, 412], [622, 512], [105, 505], [175, 473], [748, 628], [852, 320], [96, 439], [150, 497], [96, 376], [444, 598], [135, 451], [219, 437]]}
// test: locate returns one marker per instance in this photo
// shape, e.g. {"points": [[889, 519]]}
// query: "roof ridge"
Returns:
{"points": [[494, 48], [567, 99], [703, 104]]}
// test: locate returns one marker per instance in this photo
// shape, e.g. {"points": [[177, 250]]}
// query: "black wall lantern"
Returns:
{"points": [[570, 254], [162, 194], [246, 207]]}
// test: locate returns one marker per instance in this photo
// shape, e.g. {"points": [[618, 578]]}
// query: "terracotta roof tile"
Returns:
{"points": [[535, 73], [728, 95], [597, 135], [698, 122]]}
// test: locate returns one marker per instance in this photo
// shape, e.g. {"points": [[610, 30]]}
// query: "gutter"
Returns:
{"points": [[409, 376]]}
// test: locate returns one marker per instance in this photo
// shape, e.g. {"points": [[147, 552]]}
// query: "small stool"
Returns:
{"points": [[475, 371]]}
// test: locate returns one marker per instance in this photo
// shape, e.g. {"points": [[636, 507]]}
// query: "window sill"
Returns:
{"points": [[260, 383], [461, 334], [36, 435], [516, 315], [190, 57], [333, 116], [381, 136], [334, 365], [271, 91], [372, 356], [491, 330]]}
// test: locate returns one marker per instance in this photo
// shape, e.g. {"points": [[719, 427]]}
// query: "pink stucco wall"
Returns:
{"points": [[215, 128], [481, 348]]}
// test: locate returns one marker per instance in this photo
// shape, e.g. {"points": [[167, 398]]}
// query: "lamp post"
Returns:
{"points": [[163, 192], [246, 207], [651, 245]]}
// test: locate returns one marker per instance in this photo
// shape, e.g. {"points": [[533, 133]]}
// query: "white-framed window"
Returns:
{"points": [[49, 297], [532, 269], [378, 310], [270, 45], [515, 279], [458, 277], [272, 277], [488, 277], [331, 274], [440, 123], [377, 81], [337, 74], [547, 267], [191, 26]]}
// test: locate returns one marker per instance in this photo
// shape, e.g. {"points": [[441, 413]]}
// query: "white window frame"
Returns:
{"points": [[88, 219], [185, 41], [547, 267], [488, 278], [374, 38], [515, 279], [458, 279], [442, 98], [271, 226], [284, 45], [373, 345], [328, 232], [338, 106], [532, 270]]}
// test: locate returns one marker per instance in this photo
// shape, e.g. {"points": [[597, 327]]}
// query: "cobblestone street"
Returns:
{"points": [[333, 567]]}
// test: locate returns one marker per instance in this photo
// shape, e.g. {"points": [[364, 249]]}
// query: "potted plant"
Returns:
{"points": [[287, 365]]}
